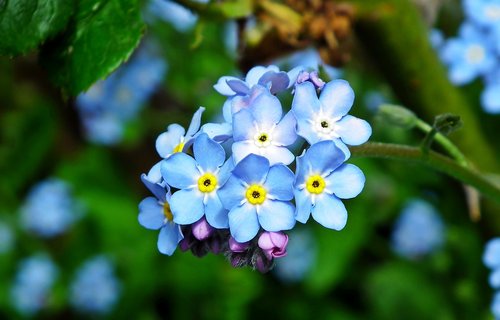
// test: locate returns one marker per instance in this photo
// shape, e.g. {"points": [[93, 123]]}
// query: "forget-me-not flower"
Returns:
{"points": [[155, 213], [491, 255], [322, 179], [199, 180], [261, 130], [490, 97], [50, 209], [485, 13], [258, 195], [326, 118], [95, 288], [35, 277], [419, 230]]}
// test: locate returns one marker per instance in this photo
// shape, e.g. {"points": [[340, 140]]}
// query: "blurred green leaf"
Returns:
{"points": [[101, 36], [25, 24], [236, 9]]}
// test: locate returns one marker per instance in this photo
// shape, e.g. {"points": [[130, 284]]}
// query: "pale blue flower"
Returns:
{"points": [[467, 56], [260, 129], [258, 195], [494, 278], [491, 255], [35, 277], [436, 38], [485, 13], [50, 209], [495, 305], [198, 180], [177, 15], [155, 213], [418, 231], [95, 288], [176, 139], [326, 118], [322, 179], [490, 97], [6, 238]]}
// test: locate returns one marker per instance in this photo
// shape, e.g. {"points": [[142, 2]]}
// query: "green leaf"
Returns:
{"points": [[235, 9], [101, 36], [25, 24]]}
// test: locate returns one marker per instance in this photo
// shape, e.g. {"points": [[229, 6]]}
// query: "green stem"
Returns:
{"points": [[431, 159]]}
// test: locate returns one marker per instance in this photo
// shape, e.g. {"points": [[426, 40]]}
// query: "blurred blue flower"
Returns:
{"points": [[109, 104], [155, 213], [257, 194], [418, 231], [260, 129], [198, 181], [50, 209], [178, 16], [300, 258], [495, 305], [6, 238], [468, 56], [436, 38], [309, 59], [373, 100], [490, 97], [491, 255], [35, 277], [326, 118], [322, 179], [95, 288], [485, 13]]}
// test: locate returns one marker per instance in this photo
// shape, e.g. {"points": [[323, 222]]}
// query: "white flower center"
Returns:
{"points": [[475, 53], [262, 139], [492, 12], [325, 127]]}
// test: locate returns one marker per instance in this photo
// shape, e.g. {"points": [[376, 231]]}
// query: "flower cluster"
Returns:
{"points": [[418, 231], [491, 259], [475, 52], [238, 202]]}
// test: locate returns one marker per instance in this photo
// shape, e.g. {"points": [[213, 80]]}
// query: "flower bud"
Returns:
{"points": [[201, 229], [235, 246], [273, 244], [398, 116]]}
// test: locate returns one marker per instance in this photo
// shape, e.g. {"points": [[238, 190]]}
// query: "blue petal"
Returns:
{"points": [[151, 214], [215, 213], [266, 110], [243, 102], [223, 88], [243, 128], [461, 74], [154, 174], [238, 86], [303, 203], [293, 74], [285, 134], [494, 279], [167, 141], [254, 74], [324, 157], [279, 182], [330, 212], [232, 193], [336, 98], [252, 169], [490, 98], [346, 182], [305, 101], [180, 171], [187, 206], [243, 223], [302, 168], [279, 81], [225, 171], [226, 110], [169, 237], [242, 149], [195, 123], [277, 154], [341, 145], [306, 130], [209, 154], [157, 189], [491, 255], [276, 215], [353, 131], [219, 132]]}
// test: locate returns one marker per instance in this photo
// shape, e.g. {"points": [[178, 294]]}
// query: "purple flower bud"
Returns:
{"points": [[273, 244], [262, 264], [185, 244], [235, 246], [303, 77], [316, 80], [201, 229], [215, 245]]}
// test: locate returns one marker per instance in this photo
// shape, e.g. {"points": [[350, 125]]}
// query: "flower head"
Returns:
{"points": [[95, 288], [326, 118], [258, 195], [491, 256], [198, 180], [322, 179], [155, 214]]}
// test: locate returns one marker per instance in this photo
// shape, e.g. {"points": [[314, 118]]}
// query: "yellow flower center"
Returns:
{"points": [[207, 182], [315, 184], [167, 213], [256, 194], [262, 139], [179, 147]]}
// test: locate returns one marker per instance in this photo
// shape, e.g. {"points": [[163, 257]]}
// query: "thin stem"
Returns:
{"points": [[431, 159]]}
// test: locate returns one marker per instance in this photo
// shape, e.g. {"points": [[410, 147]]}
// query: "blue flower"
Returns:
{"points": [[50, 209], [34, 280], [467, 56], [325, 118], [95, 288], [178, 16], [6, 237], [491, 256], [418, 231], [176, 139], [258, 195], [261, 130], [485, 13], [490, 97], [322, 179], [495, 305], [155, 213], [199, 180]]}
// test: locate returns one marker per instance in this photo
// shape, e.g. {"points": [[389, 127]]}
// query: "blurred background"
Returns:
{"points": [[70, 166]]}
